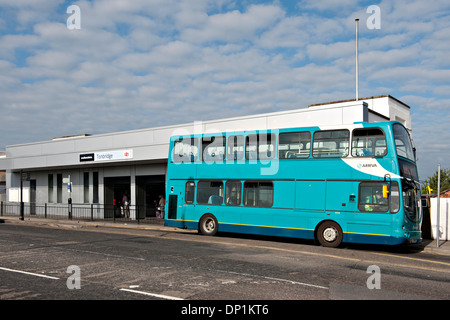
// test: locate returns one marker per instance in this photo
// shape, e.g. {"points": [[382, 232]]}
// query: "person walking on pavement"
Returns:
{"points": [[161, 204]]}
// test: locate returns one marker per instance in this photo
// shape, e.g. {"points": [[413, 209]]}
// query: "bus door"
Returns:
{"points": [[173, 204], [181, 200]]}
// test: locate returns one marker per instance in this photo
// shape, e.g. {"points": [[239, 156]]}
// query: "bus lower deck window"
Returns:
{"points": [[210, 192], [233, 193], [258, 194], [190, 192]]}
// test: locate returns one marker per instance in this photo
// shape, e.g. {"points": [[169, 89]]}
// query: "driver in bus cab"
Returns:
{"points": [[375, 200]]}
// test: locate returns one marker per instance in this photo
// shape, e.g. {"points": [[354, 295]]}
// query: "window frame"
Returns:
{"points": [[200, 189], [189, 183], [373, 147], [376, 208], [250, 142], [322, 156], [306, 156], [185, 158], [229, 182], [257, 198], [238, 142], [401, 134], [213, 144]]}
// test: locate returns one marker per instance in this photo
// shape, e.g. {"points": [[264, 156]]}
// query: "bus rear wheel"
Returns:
{"points": [[208, 225], [329, 234]]}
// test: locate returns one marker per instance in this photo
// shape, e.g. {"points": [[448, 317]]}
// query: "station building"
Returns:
{"points": [[101, 168]]}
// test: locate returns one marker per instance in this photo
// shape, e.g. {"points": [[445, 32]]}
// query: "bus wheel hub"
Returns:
{"points": [[210, 225], [330, 234]]}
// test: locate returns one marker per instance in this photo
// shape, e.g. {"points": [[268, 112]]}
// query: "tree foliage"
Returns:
{"points": [[433, 182]]}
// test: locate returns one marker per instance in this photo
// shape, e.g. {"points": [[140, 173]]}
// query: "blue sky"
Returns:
{"points": [[143, 63]]}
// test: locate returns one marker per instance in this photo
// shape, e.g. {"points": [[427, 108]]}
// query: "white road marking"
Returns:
{"points": [[29, 273], [152, 294], [275, 279]]}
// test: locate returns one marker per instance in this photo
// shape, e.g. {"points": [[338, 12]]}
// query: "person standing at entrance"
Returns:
{"points": [[125, 205], [157, 210], [161, 205]]}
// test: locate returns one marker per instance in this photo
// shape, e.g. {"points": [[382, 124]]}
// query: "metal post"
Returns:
{"points": [[69, 201], [45, 210], [438, 205], [357, 59], [92, 212], [1, 212]]}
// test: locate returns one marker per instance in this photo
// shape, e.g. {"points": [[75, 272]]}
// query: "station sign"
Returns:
{"points": [[107, 155], [87, 157]]}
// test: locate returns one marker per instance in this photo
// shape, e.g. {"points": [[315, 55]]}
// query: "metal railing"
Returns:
{"points": [[83, 211]]}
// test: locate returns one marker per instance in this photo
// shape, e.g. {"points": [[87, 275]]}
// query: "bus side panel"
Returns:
{"points": [[372, 239], [310, 195], [182, 170], [342, 196], [253, 216], [284, 194], [270, 231]]}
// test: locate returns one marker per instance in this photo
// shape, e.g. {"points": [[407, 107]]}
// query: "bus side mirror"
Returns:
{"points": [[385, 192]]}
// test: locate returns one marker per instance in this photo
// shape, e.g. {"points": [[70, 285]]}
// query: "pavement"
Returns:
{"points": [[427, 245]]}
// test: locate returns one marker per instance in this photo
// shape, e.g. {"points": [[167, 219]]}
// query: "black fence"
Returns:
{"points": [[84, 211]]}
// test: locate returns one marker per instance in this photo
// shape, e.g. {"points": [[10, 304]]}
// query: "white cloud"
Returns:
{"points": [[52, 60], [29, 12], [289, 32], [328, 5], [234, 26], [10, 43], [320, 51]]}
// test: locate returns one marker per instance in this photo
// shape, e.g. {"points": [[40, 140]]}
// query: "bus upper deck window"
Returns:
{"points": [[260, 146], [294, 145], [368, 142], [331, 144], [235, 150], [185, 150], [213, 148]]}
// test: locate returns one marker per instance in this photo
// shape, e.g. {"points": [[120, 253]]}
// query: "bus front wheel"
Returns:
{"points": [[208, 225], [329, 234]]}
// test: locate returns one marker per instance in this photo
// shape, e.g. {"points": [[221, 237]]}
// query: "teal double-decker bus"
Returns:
{"points": [[354, 183]]}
